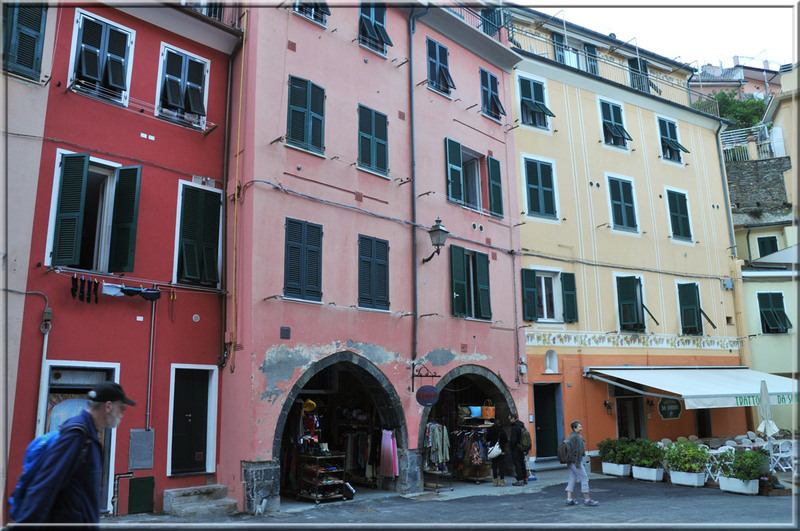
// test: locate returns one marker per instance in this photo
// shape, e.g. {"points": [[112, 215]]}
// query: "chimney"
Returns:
{"points": [[766, 65], [735, 60]]}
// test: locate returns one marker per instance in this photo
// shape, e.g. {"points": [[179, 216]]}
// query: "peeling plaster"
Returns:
{"points": [[374, 353], [441, 357], [279, 365]]}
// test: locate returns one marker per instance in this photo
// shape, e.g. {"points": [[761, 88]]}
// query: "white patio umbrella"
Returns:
{"points": [[767, 426]]}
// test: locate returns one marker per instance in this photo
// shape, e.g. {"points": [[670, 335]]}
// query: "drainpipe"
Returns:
{"points": [[749, 251], [725, 188], [412, 19]]}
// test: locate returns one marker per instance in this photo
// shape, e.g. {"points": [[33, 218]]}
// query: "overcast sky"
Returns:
{"points": [[709, 34]]}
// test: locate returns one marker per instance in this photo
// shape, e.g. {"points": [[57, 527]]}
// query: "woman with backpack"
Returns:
{"points": [[517, 450], [576, 448]]}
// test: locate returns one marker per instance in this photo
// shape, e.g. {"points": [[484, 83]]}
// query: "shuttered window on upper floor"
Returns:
{"points": [[23, 38]]}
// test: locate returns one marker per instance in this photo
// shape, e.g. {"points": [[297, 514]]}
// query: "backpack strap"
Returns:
{"points": [[84, 451]]}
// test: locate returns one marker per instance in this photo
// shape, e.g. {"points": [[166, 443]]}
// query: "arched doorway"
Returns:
{"points": [[464, 386], [354, 404]]}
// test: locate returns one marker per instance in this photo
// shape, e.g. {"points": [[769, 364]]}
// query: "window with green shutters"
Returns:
{"points": [[103, 64], [629, 301], [439, 77], [468, 179], [533, 109], [767, 245], [199, 236], [540, 189], [490, 97], [302, 277], [373, 273], [549, 296], [373, 143], [82, 225], [23, 38], [306, 120], [670, 147], [623, 210], [183, 87], [689, 301], [470, 283], [372, 28], [773, 315], [679, 215], [614, 133], [316, 11]]}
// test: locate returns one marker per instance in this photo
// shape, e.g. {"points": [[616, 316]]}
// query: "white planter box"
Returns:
{"points": [[690, 479], [741, 486], [613, 469], [648, 474]]}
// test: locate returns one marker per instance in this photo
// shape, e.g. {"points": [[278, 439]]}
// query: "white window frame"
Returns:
{"points": [[770, 236], [178, 212], [629, 232], [618, 149], [557, 293], [73, 58], [200, 122], [544, 130], [690, 242], [677, 163], [524, 182], [211, 415], [645, 316], [103, 235]]}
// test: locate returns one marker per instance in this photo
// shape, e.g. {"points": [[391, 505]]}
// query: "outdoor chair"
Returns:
{"points": [[682, 439], [730, 443], [773, 454], [784, 455], [666, 440], [739, 438], [759, 440], [751, 435], [693, 438]]}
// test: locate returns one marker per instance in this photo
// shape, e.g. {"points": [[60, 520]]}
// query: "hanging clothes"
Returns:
{"points": [[388, 466]]}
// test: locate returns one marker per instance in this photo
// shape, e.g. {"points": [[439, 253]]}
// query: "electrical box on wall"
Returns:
{"points": [[523, 369]]}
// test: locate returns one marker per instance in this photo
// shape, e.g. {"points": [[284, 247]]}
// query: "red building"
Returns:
{"points": [[119, 124]]}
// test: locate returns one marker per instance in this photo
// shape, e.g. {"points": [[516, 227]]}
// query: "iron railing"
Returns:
{"points": [[736, 143], [489, 20], [211, 10], [657, 84]]}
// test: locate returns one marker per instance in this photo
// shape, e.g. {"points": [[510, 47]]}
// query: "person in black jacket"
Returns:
{"points": [[516, 452], [576, 448], [495, 434], [66, 489]]}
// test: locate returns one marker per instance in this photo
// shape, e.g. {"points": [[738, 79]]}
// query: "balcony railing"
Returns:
{"points": [[657, 84], [489, 20], [750, 143], [211, 10]]}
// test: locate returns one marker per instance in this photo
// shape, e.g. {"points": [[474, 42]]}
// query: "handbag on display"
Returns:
{"points": [[495, 450], [487, 410]]}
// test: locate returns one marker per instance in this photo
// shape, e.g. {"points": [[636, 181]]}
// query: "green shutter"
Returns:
{"points": [[122, 248], [209, 236], [313, 262], [298, 111], [689, 300], [484, 299], [630, 314], [195, 80], [529, 295], [570, 297], [679, 215], [495, 187], [316, 108], [381, 274], [23, 40], [458, 275], [117, 51], [455, 177], [91, 42], [69, 213], [293, 258], [547, 190], [365, 136], [191, 219], [172, 94], [366, 250]]}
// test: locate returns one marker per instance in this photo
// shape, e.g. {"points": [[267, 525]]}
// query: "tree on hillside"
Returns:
{"points": [[744, 113]]}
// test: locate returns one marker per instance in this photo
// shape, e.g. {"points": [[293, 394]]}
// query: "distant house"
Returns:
{"points": [[747, 81]]}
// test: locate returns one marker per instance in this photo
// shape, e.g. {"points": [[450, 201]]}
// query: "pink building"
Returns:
{"points": [[356, 130], [117, 255]]}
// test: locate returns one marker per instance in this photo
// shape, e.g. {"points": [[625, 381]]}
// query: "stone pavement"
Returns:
{"points": [[623, 502]]}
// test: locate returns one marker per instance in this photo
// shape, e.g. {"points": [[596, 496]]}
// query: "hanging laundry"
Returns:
{"points": [[150, 294], [74, 289], [83, 286], [89, 291], [112, 290], [130, 292], [94, 289]]}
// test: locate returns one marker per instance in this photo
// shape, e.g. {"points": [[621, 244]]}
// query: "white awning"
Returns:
{"points": [[701, 387]]}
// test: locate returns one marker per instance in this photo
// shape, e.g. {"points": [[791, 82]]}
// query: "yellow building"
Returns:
{"points": [[629, 284]]}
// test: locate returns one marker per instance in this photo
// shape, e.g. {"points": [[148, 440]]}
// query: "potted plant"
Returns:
{"points": [[687, 462], [647, 458], [742, 473], [615, 456]]}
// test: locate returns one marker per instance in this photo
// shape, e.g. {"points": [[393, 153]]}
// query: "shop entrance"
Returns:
{"points": [[344, 424], [548, 418], [462, 394]]}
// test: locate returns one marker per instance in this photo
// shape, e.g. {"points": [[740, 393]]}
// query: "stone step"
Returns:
{"points": [[189, 495], [544, 463], [205, 507]]}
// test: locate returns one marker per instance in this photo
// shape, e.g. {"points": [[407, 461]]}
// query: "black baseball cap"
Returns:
{"points": [[109, 392]]}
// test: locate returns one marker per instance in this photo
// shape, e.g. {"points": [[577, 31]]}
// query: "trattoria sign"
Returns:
{"points": [[669, 408], [777, 399]]}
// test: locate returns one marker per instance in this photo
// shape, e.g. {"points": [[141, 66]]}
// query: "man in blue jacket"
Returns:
{"points": [[66, 488]]}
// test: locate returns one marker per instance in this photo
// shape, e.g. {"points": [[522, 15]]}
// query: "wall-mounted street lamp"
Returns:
{"points": [[651, 404], [608, 405], [438, 236]]}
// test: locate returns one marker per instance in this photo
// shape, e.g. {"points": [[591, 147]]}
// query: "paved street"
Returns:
{"points": [[540, 504]]}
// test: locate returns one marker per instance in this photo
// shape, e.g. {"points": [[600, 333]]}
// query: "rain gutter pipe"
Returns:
{"points": [[412, 20], [725, 187]]}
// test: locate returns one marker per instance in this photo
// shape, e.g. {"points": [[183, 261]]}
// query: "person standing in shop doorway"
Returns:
{"points": [[576, 449], [516, 453], [495, 434], [66, 488]]}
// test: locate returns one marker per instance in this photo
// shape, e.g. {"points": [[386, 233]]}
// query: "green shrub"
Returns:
{"points": [[617, 451], [747, 464], [685, 456], [646, 453]]}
